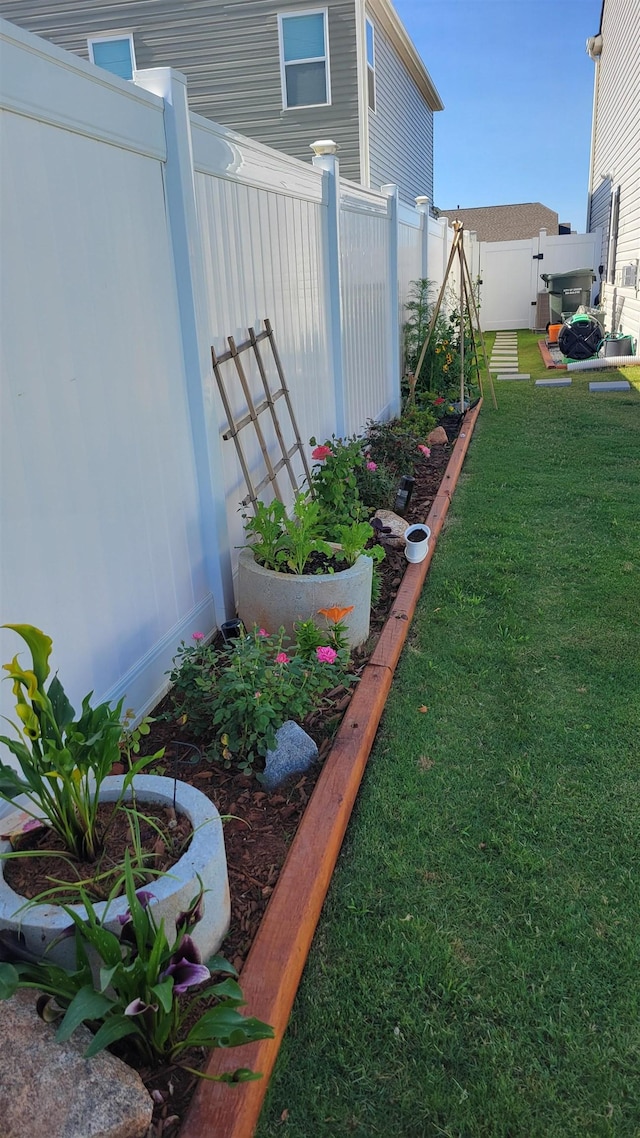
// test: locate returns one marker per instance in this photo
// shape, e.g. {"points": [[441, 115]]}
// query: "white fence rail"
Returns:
{"points": [[135, 236]]}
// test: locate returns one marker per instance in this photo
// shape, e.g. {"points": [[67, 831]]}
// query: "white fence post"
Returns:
{"points": [[171, 86], [395, 361], [324, 158], [422, 206]]}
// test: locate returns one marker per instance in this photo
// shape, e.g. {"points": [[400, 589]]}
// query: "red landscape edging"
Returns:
{"points": [[274, 966]]}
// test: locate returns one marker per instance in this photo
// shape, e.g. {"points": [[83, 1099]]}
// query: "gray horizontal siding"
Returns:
{"points": [[230, 55], [401, 129], [599, 211]]}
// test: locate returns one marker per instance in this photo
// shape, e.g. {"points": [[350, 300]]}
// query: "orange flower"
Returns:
{"points": [[335, 615]]}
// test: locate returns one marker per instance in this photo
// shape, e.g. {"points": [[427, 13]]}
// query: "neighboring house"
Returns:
{"points": [[614, 175], [507, 222], [281, 71]]}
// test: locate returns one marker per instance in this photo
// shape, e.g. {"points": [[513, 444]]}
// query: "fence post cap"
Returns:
{"points": [[422, 199], [324, 146]]}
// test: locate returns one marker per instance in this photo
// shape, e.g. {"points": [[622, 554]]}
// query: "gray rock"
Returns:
{"points": [[553, 383], [295, 752], [48, 1090], [397, 525], [515, 375]]}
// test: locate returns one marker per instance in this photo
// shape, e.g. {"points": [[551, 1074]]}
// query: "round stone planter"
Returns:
{"points": [[204, 859], [274, 600]]}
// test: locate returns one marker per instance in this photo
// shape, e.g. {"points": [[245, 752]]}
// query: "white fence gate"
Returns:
{"points": [[510, 273]]}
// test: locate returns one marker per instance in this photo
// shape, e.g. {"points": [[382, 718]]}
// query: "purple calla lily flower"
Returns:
{"points": [[138, 1007], [192, 915], [145, 898], [186, 967]]}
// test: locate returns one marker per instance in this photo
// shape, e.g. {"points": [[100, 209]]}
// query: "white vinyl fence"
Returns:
{"points": [[135, 236]]}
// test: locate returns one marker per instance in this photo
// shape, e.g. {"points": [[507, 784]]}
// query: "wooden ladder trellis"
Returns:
{"points": [[253, 412]]}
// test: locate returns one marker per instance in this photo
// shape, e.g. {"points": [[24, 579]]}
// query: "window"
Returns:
{"points": [[304, 59], [371, 65], [114, 54]]}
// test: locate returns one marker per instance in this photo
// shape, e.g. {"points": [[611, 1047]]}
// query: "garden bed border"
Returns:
{"points": [[275, 963]]}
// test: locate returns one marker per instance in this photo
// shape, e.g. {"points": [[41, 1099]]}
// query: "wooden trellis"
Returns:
{"points": [[254, 411]]}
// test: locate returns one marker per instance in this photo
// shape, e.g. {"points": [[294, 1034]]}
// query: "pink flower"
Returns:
{"points": [[326, 655], [262, 632], [438, 401], [282, 658], [197, 636], [257, 694], [321, 452], [425, 450], [372, 466]]}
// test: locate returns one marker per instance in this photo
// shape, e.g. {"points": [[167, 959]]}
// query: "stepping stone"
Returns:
{"points": [[553, 383], [612, 385], [513, 375]]}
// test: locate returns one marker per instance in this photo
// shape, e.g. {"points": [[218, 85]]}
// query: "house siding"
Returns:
{"points": [[616, 152], [228, 51], [395, 153]]}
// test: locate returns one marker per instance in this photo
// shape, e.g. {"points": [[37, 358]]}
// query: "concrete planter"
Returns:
{"points": [[205, 858], [272, 600]]}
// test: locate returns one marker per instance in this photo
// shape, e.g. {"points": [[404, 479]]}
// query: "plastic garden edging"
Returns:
{"points": [[273, 969]]}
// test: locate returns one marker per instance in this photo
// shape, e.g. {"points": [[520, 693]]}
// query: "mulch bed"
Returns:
{"points": [[261, 827]]}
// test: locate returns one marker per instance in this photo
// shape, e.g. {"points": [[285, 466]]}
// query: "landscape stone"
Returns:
{"points": [[48, 1090], [553, 383], [611, 385], [514, 375], [396, 524], [294, 753], [437, 437]]}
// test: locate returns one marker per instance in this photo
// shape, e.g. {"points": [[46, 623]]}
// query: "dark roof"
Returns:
{"points": [[505, 222]]}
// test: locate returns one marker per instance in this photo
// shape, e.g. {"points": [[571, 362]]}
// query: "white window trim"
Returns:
{"points": [[374, 108], [109, 39], [316, 59]]}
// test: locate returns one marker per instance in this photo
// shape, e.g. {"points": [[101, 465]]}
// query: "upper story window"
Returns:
{"points": [[304, 58], [114, 54], [371, 65]]}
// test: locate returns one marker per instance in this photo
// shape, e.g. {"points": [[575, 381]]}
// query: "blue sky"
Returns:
{"points": [[517, 85]]}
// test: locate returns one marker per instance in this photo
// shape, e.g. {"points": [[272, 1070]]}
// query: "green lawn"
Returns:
{"points": [[476, 972]]}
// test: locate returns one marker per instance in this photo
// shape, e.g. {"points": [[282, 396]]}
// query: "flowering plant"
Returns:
{"points": [[236, 697], [334, 481], [145, 989], [63, 760]]}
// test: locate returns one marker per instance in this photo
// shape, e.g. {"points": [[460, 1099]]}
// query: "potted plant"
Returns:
{"points": [[63, 776], [290, 571]]}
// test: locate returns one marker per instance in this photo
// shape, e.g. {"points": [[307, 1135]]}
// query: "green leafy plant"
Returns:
{"points": [[281, 542], [62, 760], [376, 485], [301, 534], [334, 481], [354, 540], [394, 445], [145, 989], [264, 531], [238, 696]]}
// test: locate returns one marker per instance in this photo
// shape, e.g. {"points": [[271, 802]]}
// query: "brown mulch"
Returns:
{"points": [[163, 840]]}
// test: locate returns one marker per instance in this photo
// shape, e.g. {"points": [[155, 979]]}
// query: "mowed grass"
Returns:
{"points": [[476, 971]]}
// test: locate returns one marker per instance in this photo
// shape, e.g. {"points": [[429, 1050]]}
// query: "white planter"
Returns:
{"points": [[414, 549], [273, 600], [205, 858]]}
